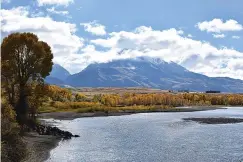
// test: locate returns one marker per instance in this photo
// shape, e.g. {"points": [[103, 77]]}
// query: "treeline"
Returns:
{"points": [[185, 99], [56, 93]]}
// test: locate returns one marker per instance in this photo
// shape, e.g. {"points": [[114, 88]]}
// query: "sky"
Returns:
{"points": [[204, 36]]}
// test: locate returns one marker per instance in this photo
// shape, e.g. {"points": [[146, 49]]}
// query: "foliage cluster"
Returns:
{"points": [[133, 101], [180, 99], [13, 149]]}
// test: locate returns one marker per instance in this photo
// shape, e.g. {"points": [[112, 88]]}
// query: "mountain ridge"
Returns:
{"points": [[58, 75], [151, 73]]}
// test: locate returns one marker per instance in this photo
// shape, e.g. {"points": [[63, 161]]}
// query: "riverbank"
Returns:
{"points": [[41, 140], [39, 146], [74, 115]]}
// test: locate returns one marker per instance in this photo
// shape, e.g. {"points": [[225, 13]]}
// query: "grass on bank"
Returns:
{"points": [[85, 107]]}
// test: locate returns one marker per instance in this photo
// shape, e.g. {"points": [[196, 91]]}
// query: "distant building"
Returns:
{"points": [[212, 91], [172, 91], [183, 91]]}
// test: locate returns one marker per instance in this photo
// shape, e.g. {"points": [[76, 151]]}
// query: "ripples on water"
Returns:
{"points": [[152, 137]]}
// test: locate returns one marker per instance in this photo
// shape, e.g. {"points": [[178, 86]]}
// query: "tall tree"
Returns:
{"points": [[24, 59]]}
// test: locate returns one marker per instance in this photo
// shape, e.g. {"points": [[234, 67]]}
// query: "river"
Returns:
{"points": [[152, 137]]}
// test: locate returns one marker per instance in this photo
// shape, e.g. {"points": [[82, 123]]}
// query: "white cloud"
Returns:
{"points": [[94, 28], [38, 14], [217, 26], [54, 2], [59, 35], [170, 45], [190, 36], [235, 37], [218, 35], [59, 12]]}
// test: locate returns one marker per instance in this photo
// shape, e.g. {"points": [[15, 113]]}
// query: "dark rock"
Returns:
{"points": [[48, 130]]}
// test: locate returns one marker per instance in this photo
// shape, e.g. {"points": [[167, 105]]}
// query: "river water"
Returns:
{"points": [[152, 137]]}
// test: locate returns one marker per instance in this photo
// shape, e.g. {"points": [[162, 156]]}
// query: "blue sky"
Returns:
{"points": [[204, 36]]}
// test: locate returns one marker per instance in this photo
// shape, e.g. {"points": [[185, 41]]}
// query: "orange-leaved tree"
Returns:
{"points": [[24, 59]]}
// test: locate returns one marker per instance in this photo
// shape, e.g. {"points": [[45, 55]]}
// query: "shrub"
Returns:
{"points": [[13, 149], [80, 97]]}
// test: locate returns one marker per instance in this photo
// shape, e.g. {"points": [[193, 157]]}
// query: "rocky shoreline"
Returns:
{"points": [[41, 139], [39, 146], [54, 131]]}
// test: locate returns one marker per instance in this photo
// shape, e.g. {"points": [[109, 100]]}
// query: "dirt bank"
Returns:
{"points": [[39, 146]]}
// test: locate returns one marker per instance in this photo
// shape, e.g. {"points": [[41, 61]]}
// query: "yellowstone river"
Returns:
{"points": [[152, 137]]}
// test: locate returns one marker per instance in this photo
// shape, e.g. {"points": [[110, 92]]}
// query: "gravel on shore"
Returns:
{"points": [[39, 146]]}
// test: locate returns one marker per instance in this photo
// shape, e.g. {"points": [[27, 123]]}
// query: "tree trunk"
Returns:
{"points": [[22, 106], [12, 96]]}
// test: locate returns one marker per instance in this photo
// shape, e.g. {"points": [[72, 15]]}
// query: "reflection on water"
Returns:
{"points": [[152, 137]]}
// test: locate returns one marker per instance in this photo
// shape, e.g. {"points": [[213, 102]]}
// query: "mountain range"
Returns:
{"points": [[142, 72], [58, 75]]}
